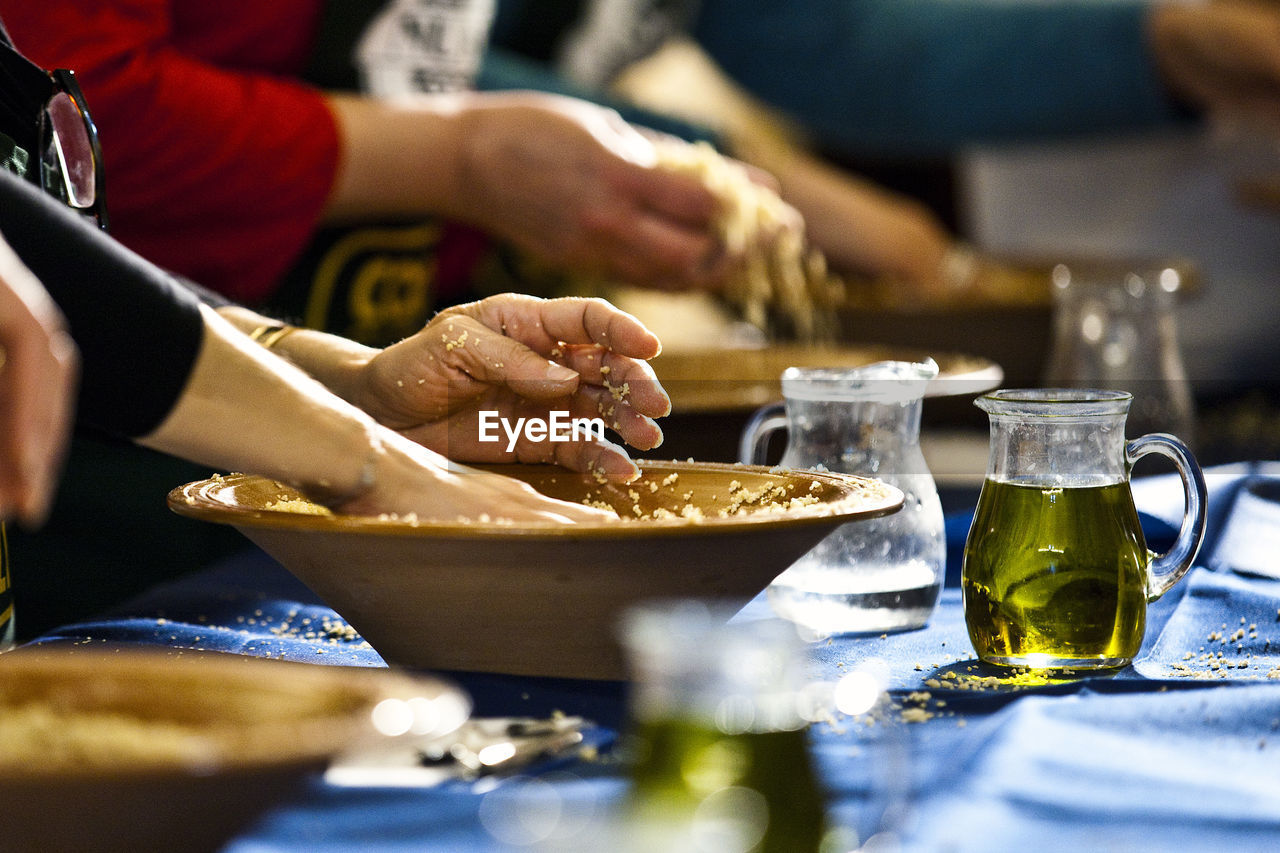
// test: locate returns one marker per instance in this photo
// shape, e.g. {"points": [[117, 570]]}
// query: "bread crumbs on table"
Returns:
{"points": [[916, 715]]}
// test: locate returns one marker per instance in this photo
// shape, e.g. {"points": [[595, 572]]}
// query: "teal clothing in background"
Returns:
{"points": [[505, 70], [919, 77]]}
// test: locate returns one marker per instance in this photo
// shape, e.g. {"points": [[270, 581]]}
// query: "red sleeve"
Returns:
{"points": [[218, 174]]}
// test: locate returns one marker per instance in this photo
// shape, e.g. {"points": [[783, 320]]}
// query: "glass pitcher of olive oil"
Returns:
{"points": [[1056, 571]]}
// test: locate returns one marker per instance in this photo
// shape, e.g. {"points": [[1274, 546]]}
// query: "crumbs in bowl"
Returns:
{"points": [[301, 506], [645, 504]]}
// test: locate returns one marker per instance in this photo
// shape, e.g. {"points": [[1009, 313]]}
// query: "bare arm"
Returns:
{"points": [[245, 409], [565, 180], [38, 366], [514, 355]]}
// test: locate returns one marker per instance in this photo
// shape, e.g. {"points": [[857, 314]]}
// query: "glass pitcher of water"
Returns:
{"points": [[873, 576]]}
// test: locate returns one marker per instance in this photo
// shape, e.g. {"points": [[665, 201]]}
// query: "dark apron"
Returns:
{"points": [[380, 282]]}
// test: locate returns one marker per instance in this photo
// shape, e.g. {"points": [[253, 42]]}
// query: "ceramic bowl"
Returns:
{"points": [[136, 750], [742, 379], [542, 599]]}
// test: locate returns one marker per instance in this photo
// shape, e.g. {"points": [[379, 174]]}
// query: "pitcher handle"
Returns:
{"points": [[753, 449], [1168, 568]]}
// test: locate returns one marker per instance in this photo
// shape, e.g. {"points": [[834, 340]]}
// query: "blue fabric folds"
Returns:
{"points": [[1177, 751]]}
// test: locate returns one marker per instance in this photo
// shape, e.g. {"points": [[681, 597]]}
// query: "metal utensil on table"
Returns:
{"points": [[483, 746], [487, 746]]}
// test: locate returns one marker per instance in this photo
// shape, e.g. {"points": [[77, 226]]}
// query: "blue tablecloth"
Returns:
{"points": [[1177, 751]]}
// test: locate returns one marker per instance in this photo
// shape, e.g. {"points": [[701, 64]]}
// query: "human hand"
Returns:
{"points": [[1223, 55], [514, 356], [575, 186], [244, 409], [412, 480], [38, 369]]}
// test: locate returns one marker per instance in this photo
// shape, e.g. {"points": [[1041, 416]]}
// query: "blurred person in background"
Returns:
{"points": [[208, 109], [1041, 130], [400, 180]]}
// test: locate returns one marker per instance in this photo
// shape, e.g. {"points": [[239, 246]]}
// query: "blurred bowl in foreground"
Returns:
{"points": [[544, 599], [136, 750]]}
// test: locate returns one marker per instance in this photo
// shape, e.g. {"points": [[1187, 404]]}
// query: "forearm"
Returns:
{"points": [[398, 159], [563, 180], [334, 361], [37, 382], [862, 228], [245, 409]]}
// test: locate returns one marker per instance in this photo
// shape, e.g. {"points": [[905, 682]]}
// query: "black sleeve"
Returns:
{"points": [[139, 331]]}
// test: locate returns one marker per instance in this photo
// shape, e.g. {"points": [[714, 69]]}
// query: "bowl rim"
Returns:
{"points": [[759, 370], [304, 743], [861, 498]]}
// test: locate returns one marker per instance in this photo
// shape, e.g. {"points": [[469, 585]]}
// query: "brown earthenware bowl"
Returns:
{"points": [[132, 749], [544, 599]]}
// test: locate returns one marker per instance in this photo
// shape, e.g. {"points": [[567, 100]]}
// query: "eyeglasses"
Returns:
{"points": [[71, 157]]}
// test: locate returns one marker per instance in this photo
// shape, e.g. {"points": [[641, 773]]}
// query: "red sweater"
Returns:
{"points": [[203, 126]]}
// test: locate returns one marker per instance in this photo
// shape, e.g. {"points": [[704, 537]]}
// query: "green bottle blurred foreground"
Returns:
{"points": [[697, 788]]}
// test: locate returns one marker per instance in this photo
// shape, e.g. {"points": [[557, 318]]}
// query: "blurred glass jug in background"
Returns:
{"points": [[1114, 327], [870, 576], [1056, 569]]}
